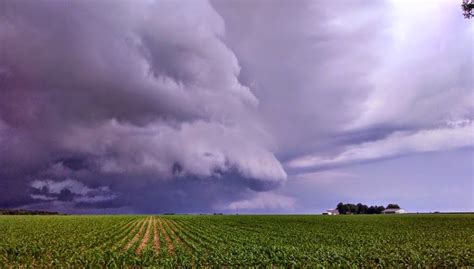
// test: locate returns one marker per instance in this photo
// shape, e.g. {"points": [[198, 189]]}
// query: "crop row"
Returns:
{"points": [[191, 241]]}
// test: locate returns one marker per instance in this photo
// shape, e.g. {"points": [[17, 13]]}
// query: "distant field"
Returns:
{"points": [[397, 240]]}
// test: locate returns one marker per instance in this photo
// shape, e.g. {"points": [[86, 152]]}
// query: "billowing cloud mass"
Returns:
{"points": [[164, 106], [142, 89]]}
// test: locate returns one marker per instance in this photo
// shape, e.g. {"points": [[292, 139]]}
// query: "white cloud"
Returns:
{"points": [[55, 187], [264, 200], [42, 197], [324, 176], [50, 190], [95, 198], [425, 76], [399, 143]]}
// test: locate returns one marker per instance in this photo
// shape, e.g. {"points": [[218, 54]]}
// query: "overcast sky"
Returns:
{"points": [[270, 106]]}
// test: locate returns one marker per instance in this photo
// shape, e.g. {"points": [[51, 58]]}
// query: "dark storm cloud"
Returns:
{"points": [[160, 106], [100, 92]]}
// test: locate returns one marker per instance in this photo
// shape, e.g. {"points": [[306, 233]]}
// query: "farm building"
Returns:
{"points": [[331, 212], [394, 211]]}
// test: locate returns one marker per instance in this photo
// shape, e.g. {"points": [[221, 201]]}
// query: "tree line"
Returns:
{"points": [[26, 212], [363, 209]]}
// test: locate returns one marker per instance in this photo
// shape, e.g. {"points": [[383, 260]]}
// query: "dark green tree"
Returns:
{"points": [[468, 7], [380, 209], [352, 208], [362, 209], [342, 208], [393, 206]]}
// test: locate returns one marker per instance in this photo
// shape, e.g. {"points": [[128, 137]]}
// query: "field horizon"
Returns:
{"points": [[238, 240]]}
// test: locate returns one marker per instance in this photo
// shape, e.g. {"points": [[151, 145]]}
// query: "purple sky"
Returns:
{"points": [[235, 106]]}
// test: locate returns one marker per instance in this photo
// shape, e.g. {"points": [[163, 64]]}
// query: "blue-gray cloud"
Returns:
{"points": [[156, 106]]}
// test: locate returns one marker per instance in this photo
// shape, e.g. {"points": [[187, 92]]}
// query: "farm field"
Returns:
{"points": [[246, 240]]}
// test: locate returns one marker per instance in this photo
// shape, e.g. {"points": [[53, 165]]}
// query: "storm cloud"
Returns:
{"points": [[142, 89], [162, 106]]}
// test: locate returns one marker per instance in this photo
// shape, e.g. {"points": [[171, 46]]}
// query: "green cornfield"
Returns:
{"points": [[438, 240]]}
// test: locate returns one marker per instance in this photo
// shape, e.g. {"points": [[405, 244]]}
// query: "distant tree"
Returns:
{"points": [[359, 209], [380, 209], [372, 210], [25, 212], [342, 208], [468, 7], [393, 206], [352, 208], [362, 209]]}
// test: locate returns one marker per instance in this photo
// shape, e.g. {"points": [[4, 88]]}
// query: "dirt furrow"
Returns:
{"points": [[136, 237], [156, 237], [134, 229], [146, 237], [169, 242]]}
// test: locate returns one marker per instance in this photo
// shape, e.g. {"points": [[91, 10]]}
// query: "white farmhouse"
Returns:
{"points": [[331, 212], [394, 211]]}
